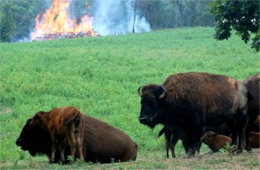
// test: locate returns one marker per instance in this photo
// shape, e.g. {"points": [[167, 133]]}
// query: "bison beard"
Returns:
{"points": [[102, 142], [191, 101]]}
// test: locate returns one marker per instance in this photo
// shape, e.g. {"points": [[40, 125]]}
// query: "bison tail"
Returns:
{"points": [[161, 132], [75, 121]]}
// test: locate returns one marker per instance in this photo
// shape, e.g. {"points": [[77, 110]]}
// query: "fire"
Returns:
{"points": [[56, 23]]}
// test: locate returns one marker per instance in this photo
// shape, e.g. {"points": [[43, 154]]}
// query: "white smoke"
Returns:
{"points": [[116, 17]]}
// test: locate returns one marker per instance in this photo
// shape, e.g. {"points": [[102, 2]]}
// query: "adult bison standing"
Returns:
{"points": [[252, 84], [191, 101]]}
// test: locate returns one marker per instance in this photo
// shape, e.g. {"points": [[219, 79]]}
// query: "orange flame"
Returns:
{"points": [[56, 21]]}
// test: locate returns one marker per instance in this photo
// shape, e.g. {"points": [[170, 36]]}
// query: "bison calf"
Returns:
{"points": [[215, 141], [63, 124], [254, 139]]}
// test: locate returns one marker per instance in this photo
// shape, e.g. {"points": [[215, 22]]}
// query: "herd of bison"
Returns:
{"points": [[193, 107]]}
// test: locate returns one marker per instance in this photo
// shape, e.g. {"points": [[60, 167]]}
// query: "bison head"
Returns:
{"points": [[153, 98], [34, 137], [208, 137]]}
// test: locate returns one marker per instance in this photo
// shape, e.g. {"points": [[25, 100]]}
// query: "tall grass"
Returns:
{"points": [[101, 76]]}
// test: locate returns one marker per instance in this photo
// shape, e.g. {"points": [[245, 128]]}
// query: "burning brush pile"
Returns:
{"points": [[55, 23]]}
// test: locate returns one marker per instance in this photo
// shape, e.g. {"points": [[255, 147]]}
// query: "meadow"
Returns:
{"points": [[100, 76]]}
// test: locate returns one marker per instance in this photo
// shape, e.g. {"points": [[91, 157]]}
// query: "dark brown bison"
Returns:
{"points": [[172, 136], [215, 141], [253, 85], [102, 142], [191, 101], [63, 124]]}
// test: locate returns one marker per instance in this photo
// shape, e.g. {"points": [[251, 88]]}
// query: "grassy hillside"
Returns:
{"points": [[101, 76]]}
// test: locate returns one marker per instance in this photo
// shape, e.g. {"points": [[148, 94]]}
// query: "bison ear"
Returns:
{"points": [[37, 116], [214, 134], [140, 90], [29, 121], [163, 92]]}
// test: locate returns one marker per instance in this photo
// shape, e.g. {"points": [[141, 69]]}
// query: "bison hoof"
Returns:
{"points": [[239, 150], [233, 149], [189, 155], [248, 149]]}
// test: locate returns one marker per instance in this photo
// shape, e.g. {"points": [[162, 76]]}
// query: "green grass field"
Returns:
{"points": [[101, 75]]}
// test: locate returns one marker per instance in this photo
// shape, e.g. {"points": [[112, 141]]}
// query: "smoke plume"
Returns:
{"points": [[116, 17]]}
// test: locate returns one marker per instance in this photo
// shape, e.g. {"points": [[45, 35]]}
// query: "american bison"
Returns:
{"points": [[191, 101], [253, 85], [63, 124], [102, 142], [172, 136], [215, 141], [254, 139]]}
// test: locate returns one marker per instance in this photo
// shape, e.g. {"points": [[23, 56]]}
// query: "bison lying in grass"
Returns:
{"points": [[102, 142]]}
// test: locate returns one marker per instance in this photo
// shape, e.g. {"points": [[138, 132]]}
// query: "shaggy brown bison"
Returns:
{"points": [[253, 85], [191, 101], [63, 124], [102, 142]]}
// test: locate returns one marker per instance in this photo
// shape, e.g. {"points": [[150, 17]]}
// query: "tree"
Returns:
{"points": [[7, 20], [239, 15], [17, 18]]}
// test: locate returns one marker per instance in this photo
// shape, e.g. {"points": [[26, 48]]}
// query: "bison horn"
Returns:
{"points": [[140, 89], [163, 93]]}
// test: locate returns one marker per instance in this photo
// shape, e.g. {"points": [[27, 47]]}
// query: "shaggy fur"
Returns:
{"points": [[191, 101]]}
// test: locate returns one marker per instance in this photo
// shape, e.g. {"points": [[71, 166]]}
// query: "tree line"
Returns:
{"points": [[17, 16]]}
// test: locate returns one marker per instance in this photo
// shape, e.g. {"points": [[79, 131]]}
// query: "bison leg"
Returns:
{"points": [[250, 124], [175, 138], [72, 142], [233, 127], [167, 137], [79, 141], [192, 141], [62, 149], [53, 150], [242, 121]]}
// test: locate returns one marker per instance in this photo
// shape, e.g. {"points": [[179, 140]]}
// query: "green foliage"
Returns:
{"points": [[17, 18], [7, 21], [175, 13], [242, 16], [100, 76]]}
